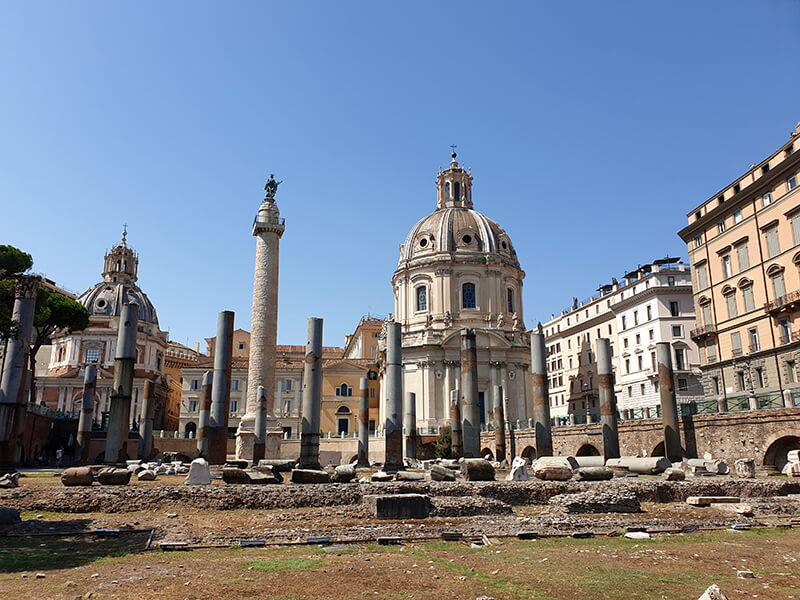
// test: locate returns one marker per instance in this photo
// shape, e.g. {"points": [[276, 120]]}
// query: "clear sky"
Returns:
{"points": [[592, 128]]}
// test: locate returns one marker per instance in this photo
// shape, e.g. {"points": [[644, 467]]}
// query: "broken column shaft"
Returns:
{"points": [[221, 390], [146, 421], [394, 399], [541, 400], [608, 401], [500, 426], [456, 438], [260, 441], [312, 397], [411, 425], [205, 414], [471, 428], [84, 437], [669, 405], [120, 410], [12, 386], [363, 425]]}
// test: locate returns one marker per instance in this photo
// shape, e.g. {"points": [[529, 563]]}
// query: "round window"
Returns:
{"points": [[423, 242], [467, 239], [101, 304], [504, 245]]}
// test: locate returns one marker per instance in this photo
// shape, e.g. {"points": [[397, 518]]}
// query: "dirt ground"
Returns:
{"points": [[54, 554]]}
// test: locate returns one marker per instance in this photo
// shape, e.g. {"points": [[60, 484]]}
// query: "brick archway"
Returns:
{"points": [[778, 447]]}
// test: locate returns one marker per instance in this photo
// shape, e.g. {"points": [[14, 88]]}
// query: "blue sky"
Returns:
{"points": [[591, 129]]}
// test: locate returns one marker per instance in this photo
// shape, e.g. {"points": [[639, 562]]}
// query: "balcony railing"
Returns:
{"points": [[269, 220], [785, 302], [703, 331]]}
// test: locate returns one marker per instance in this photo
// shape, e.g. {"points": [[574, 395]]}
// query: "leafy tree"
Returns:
{"points": [[13, 262], [444, 444]]}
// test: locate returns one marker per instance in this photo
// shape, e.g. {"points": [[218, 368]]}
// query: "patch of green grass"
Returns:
{"points": [[41, 553], [283, 564], [44, 474], [29, 515]]}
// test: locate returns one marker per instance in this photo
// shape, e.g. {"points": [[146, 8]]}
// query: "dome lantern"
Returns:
{"points": [[454, 186]]}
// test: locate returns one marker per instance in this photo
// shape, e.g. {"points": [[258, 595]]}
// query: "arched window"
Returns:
{"points": [[457, 188], [775, 273], [422, 298], [447, 197], [343, 410], [468, 296], [191, 430], [344, 390], [510, 299]]}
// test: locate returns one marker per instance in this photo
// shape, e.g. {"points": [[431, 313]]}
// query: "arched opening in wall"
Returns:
{"points": [[353, 459], [658, 450], [190, 431], [487, 454], [775, 456], [587, 450], [529, 453]]}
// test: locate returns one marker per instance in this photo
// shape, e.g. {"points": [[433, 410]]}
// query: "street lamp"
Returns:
{"points": [[751, 392]]}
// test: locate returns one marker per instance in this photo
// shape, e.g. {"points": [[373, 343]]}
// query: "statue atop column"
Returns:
{"points": [[271, 187]]}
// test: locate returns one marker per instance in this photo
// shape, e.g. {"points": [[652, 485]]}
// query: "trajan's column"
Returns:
{"points": [[267, 228]]}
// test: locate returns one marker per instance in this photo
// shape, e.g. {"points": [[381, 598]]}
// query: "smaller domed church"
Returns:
{"points": [[458, 269]]}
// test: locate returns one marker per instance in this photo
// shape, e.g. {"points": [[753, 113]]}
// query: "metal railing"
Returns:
{"points": [[41, 409], [779, 303], [738, 403], [702, 331], [705, 407], [269, 220], [770, 400], [796, 398]]}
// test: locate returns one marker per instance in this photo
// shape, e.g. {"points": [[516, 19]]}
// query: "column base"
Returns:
{"points": [[246, 437]]}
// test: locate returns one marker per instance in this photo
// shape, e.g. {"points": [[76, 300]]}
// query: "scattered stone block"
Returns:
{"points": [[380, 476], [9, 516], [586, 461], [552, 468], [77, 476], [450, 463], [593, 474], [409, 476], [709, 500], [597, 501], [718, 467], [260, 477], [344, 474], [791, 469], [269, 472], [673, 474], [713, 593], [310, 476], [745, 468], [746, 510], [477, 469], [637, 535], [146, 475], [199, 473], [399, 506], [113, 476], [642, 465], [793, 456], [9, 480], [745, 574], [519, 470], [527, 535], [279, 465], [238, 464], [235, 475], [440, 473]]}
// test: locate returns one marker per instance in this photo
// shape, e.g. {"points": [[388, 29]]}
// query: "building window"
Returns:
{"points": [[715, 384], [640, 362], [235, 385], [344, 390], [624, 326], [680, 359], [92, 355], [193, 406], [422, 298], [287, 385], [609, 329], [749, 303], [737, 216], [670, 281], [791, 371], [638, 339], [773, 247], [730, 300], [627, 365], [468, 295], [791, 183], [740, 378], [630, 391], [649, 312], [636, 317], [785, 329], [653, 361], [702, 275], [641, 389], [677, 331], [796, 228], [721, 226], [726, 266], [371, 392], [651, 334], [234, 405], [241, 346], [674, 308], [752, 334], [712, 351], [510, 300], [766, 199], [760, 377], [706, 310], [195, 384], [698, 241], [744, 259], [778, 285], [736, 343], [683, 384], [624, 342]]}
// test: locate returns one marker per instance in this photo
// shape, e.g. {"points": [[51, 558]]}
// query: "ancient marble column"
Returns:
{"points": [[12, 386], [205, 414], [541, 401], [363, 424], [312, 397], [119, 415], [260, 442], [669, 404], [84, 437], [471, 428], [608, 401], [394, 399], [268, 228], [221, 390], [146, 421], [410, 422], [455, 424]]}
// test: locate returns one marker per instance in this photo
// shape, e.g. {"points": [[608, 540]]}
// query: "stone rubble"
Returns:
{"points": [[9, 480], [595, 501], [552, 468], [519, 470]]}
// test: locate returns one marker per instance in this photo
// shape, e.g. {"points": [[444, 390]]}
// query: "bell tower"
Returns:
{"points": [[454, 186]]}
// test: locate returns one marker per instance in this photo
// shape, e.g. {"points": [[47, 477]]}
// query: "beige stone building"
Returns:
{"points": [[744, 249], [458, 269], [649, 305], [61, 387]]}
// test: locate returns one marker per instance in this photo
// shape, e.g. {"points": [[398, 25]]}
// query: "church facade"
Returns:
{"points": [[458, 269]]}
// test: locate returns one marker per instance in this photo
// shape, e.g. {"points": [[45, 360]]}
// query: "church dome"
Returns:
{"points": [[455, 227], [119, 286]]}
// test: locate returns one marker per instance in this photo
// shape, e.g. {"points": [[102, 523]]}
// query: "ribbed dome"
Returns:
{"points": [[460, 230], [107, 298]]}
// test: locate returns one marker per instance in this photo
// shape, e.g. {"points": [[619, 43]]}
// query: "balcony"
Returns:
{"points": [[786, 303], [703, 332]]}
